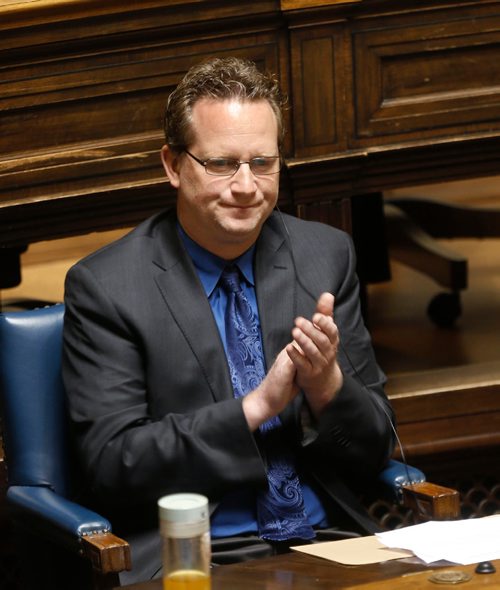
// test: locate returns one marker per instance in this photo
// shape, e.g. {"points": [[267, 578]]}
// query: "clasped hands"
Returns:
{"points": [[308, 363]]}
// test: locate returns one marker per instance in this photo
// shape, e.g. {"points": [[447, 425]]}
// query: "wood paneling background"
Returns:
{"points": [[383, 93]]}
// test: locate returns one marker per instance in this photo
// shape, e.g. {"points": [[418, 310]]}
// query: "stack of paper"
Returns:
{"points": [[459, 541]]}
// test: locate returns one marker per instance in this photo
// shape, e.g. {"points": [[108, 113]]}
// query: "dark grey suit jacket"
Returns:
{"points": [[148, 386]]}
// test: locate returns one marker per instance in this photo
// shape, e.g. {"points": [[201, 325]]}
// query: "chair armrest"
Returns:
{"points": [[107, 553], [396, 475], [430, 501], [42, 510]]}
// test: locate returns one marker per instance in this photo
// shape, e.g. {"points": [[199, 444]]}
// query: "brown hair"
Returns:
{"points": [[218, 78]]}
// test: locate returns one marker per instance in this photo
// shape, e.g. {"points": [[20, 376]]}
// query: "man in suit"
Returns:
{"points": [[151, 394]]}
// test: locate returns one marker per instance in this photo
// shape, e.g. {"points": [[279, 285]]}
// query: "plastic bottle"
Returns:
{"points": [[184, 527]]}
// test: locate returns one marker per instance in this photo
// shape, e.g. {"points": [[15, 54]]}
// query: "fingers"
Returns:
{"points": [[315, 346], [315, 341], [325, 304], [320, 333], [282, 370], [314, 354], [273, 394]]}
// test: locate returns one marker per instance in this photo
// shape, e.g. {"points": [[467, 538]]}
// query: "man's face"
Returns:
{"points": [[225, 214]]}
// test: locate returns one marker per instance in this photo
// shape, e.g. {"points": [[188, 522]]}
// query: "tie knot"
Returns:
{"points": [[230, 278]]}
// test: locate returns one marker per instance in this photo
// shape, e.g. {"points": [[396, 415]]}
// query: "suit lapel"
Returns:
{"points": [[185, 298], [276, 288], [276, 291]]}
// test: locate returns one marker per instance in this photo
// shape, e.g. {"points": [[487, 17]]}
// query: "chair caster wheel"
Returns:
{"points": [[444, 309]]}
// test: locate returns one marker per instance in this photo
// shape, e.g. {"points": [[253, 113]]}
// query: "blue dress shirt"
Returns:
{"points": [[235, 514]]}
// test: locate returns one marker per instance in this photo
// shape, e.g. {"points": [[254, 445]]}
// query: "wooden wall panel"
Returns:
{"points": [[74, 128], [318, 87], [434, 75], [383, 93], [81, 107], [319, 92], [336, 212]]}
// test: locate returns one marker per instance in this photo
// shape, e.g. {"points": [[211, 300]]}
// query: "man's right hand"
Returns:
{"points": [[274, 393]]}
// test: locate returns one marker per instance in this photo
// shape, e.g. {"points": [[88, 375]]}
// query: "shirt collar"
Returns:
{"points": [[210, 266]]}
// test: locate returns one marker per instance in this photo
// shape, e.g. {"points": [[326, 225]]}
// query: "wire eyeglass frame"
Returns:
{"points": [[232, 165]]}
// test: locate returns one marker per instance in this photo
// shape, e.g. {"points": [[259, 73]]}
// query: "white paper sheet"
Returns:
{"points": [[459, 541]]}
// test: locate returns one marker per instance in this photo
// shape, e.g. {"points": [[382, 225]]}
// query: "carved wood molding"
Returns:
{"points": [[373, 103], [454, 409], [303, 4]]}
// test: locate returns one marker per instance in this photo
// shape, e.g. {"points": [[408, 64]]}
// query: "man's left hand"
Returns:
{"points": [[314, 354]]}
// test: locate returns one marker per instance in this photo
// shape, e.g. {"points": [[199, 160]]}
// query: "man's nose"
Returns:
{"points": [[244, 178]]}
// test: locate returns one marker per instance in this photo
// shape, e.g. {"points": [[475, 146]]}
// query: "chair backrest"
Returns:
{"points": [[32, 398]]}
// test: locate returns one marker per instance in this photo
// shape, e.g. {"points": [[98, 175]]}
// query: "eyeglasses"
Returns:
{"points": [[260, 165]]}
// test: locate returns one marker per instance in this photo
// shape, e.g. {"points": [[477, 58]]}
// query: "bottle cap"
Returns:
{"points": [[183, 515]]}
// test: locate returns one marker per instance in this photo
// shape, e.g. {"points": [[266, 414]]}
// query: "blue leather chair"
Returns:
{"points": [[38, 461], [37, 450]]}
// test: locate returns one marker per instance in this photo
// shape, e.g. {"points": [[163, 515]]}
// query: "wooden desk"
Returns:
{"points": [[302, 572]]}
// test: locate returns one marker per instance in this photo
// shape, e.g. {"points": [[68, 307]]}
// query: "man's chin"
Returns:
{"points": [[242, 228]]}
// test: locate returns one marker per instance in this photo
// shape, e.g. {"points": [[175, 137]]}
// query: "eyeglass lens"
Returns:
{"points": [[259, 165]]}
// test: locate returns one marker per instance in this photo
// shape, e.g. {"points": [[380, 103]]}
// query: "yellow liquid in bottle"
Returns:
{"points": [[186, 580]]}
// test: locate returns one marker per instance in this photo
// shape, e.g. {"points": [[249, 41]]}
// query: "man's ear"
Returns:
{"points": [[170, 164]]}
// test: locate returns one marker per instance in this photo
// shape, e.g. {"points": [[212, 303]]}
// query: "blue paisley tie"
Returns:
{"points": [[280, 508]]}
